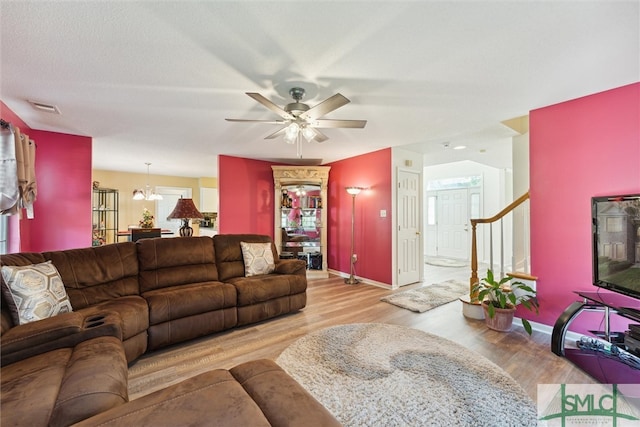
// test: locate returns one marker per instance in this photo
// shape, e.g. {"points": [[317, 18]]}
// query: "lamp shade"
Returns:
{"points": [[354, 191], [185, 209]]}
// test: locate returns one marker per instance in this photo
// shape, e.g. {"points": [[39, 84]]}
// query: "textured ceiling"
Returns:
{"points": [[154, 81]]}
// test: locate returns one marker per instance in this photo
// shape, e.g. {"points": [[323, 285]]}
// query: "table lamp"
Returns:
{"points": [[185, 210]]}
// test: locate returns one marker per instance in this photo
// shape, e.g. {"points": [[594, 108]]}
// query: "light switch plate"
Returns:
{"points": [[383, 213]]}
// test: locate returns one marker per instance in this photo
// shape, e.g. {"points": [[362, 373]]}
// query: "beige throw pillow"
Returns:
{"points": [[34, 292], [258, 258]]}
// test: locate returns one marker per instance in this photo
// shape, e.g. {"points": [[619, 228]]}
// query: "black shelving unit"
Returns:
{"points": [[104, 216]]}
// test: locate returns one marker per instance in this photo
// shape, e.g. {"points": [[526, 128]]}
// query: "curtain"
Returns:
{"points": [[18, 188]]}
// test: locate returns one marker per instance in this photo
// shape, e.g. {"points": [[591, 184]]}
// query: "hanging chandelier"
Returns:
{"points": [[147, 193]]}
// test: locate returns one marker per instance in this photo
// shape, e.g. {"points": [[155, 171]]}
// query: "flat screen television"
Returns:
{"points": [[616, 243]]}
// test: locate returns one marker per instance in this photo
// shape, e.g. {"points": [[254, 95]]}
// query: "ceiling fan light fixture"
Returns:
{"points": [[308, 133], [291, 133], [292, 130]]}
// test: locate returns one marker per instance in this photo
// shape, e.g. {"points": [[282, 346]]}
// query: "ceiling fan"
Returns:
{"points": [[300, 119]]}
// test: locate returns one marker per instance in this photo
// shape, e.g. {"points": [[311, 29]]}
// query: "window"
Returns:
{"points": [[474, 208], [431, 210], [454, 183]]}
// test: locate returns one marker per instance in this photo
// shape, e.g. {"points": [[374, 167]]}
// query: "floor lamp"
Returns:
{"points": [[354, 191]]}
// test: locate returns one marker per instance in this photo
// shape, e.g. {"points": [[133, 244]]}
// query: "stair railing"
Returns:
{"points": [[474, 246]]}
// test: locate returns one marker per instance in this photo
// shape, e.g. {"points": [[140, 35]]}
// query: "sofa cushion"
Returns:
{"points": [[175, 261], [96, 274], [258, 258], [34, 292], [211, 398], [228, 253], [187, 300], [257, 289]]}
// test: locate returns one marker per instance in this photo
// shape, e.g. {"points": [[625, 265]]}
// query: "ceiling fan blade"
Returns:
{"points": [[320, 137], [276, 133], [328, 105], [270, 105], [272, 122], [327, 123]]}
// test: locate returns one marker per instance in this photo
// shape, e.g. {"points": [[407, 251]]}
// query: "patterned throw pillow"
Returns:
{"points": [[258, 258], [34, 292]]}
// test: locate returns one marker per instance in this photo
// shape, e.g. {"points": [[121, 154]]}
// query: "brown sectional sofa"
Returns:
{"points": [[129, 298]]}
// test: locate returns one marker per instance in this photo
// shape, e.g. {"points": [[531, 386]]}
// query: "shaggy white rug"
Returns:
{"points": [[428, 297], [376, 374]]}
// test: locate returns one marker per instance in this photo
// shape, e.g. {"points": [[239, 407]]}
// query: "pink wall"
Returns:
{"points": [[372, 234], [63, 208], [246, 196], [578, 149], [63, 205], [246, 206]]}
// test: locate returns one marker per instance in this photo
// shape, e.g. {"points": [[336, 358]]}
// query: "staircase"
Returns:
{"points": [[507, 236]]}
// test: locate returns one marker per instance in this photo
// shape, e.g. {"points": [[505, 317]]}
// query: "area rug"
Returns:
{"points": [[373, 374], [445, 262], [428, 297]]}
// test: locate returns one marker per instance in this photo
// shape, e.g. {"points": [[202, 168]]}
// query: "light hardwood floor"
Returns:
{"points": [[330, 302]]}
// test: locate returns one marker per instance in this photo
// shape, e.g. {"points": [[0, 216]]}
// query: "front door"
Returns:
{"points": [[453, 218], [409, 240]]}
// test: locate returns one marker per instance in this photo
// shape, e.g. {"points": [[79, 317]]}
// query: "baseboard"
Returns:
{"points": [[548, 330], [361, 279]]}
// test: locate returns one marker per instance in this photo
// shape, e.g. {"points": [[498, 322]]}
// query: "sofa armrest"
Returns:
{"points": [[61, 331], [291, 266], [281, 398]]}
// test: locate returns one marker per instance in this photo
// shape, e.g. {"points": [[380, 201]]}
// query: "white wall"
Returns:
{"points": [[496, 189], [520, 150]]}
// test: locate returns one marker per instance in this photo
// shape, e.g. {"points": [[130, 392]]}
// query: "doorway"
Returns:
{"points": [[450, 204], [409, 254]]}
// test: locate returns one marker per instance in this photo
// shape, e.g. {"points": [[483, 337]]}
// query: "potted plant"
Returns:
{"points": [[147, 219], [500, 298]]}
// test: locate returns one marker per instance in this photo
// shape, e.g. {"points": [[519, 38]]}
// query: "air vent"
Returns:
{"points": [[48, 108]]}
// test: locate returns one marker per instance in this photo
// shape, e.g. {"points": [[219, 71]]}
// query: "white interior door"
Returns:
{"points": [[409, 239], [453, 224], [170, 196]]}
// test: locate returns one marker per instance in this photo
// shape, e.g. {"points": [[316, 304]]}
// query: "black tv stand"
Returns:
{"points": [[607, 365]]}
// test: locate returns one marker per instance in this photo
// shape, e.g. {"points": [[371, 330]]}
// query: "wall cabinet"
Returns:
{"points": [[104, 216], [208, 199], [301, 215]]}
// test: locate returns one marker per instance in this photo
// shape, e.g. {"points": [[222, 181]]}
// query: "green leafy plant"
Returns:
{"points": [[504, 294]]}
